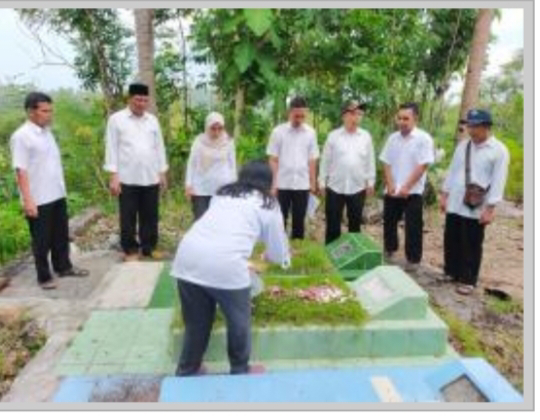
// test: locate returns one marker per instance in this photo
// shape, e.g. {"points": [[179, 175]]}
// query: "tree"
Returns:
{"points": [[144, 33], [477, 56], [100, 41]]}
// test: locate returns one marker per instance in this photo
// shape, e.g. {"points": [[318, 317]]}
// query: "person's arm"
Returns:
{"points": [[162, 158], [275, 238], [111, 156], [190, 170], [314, 154], [325, 164], [272, 150], [425, 159], [387, 168], [496, 190], [370, 169], [29, 205], [19, 154], [232, 162], [449, 180], [412, 180]]}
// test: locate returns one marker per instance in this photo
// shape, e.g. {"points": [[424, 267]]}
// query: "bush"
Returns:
{"points": [[514, 183]]}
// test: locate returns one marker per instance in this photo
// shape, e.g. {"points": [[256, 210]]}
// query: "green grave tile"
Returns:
{"points": [[165, 294], [104, 369], [110, 355], [388, 293], [64, 369], [354, 251], [79, 355]]}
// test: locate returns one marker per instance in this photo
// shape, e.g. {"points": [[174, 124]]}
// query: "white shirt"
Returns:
{"points": [[489, 167], [294, 148], [347, 162], [404, 154], [220, 171], [215, 250], [34, 150], [134, 148]]}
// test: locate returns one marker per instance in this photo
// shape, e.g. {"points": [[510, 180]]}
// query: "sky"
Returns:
{"points": [[23, 60]]}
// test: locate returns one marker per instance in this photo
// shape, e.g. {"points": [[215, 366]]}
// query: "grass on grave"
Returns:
{"points": [[310, 266], [307, 257], [294, 311]]}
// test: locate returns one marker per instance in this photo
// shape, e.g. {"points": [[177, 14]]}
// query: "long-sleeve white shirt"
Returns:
{"points": [[489, 167], [347, 162], [34, 150], [215, 251], [134, 148], [220, 172]]}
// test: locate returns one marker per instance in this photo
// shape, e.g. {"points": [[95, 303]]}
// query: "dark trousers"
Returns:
{"points": [[334, 212], [50, 234], [296, 201], [142, 203], [394, 209], [199, 205], [463, 239], [198, 306]]}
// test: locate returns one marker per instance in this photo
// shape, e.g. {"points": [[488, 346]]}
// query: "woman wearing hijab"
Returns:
{"points": [[211, 266], [211, 163]]}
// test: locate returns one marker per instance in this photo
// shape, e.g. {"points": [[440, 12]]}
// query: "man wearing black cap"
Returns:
{"points": [[347, 171], [135, 157], [473, 186], [293, 152]]}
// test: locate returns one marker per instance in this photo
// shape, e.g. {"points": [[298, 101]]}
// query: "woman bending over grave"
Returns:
{"points": [[212, 267]]}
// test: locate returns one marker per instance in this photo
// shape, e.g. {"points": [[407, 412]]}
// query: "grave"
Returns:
{"points": [[353, 254]]}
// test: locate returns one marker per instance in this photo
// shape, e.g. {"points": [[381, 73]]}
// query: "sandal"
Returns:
{"points": [[74, 272], [48, 285], [465, 289]]}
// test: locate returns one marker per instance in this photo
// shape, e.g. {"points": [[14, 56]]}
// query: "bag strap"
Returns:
{"points": [[468, 164]]}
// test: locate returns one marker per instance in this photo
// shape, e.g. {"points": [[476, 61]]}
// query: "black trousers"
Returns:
{"points": [[463, 239], [334, 212], [142, 203], [297, 201], [198, 306], [199, 205], [50, 234], [394, 209]]}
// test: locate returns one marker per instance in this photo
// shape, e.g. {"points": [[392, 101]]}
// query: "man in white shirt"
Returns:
{"points": [[293, 152], [347, 171], [406, 157], [40, 178], [135, 157], [465, 223]]}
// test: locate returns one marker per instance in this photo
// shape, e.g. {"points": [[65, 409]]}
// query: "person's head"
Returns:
{"points": [[479, 123], [38, 107], [214, 125], [138, 98], [254, 176], [297, 111], [407, 117], [352, 113]]}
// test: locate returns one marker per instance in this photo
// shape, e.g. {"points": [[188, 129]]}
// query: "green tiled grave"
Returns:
{"points": [[129, 341], [165, 294], [354, 251], [388, 293]]}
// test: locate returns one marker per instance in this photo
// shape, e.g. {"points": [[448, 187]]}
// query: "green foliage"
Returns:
{"points": [[465, 337], [504, 307], [514, 183], [14, 235]]}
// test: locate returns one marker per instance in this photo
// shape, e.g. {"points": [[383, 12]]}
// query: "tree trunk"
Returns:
{"points": [[238, 111], [475, 66], [184, 76], [144, 32]]}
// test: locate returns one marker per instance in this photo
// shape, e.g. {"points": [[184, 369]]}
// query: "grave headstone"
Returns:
{"points": [[354, 254]]}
